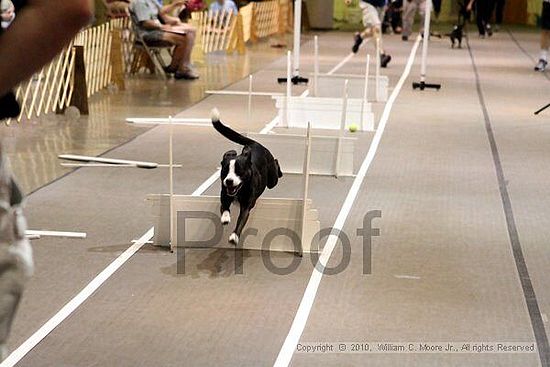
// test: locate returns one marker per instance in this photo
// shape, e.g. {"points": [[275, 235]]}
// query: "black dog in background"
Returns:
{"points": [[244, 176], [458, 32]]}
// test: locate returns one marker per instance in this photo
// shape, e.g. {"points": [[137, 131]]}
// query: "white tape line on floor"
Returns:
{"points": [[300, 320]]}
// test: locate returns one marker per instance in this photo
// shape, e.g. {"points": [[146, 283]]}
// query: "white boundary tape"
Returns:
{"points": [[289, 346], [102, 277]]}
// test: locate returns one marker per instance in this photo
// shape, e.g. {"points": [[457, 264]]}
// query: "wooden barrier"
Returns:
{"points": [[57, 85], [214, 30], [49, 89]]}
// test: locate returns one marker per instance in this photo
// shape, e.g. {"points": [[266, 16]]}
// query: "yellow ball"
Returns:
{"points": [[352, 128]]}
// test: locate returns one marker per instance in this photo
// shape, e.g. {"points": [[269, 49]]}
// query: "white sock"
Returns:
{"points": [[544, 55]]}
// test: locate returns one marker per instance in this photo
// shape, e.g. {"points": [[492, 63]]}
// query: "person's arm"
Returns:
{"points": [[39, 32], [470, 5], [166, 12]]}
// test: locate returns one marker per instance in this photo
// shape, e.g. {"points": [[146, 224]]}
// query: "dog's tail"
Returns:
{"points": [[228, 132]]}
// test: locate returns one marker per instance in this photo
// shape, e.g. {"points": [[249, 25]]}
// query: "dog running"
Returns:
{"points": [[244, 176]]}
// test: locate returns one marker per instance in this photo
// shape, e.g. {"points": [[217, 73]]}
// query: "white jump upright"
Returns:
{"points": [[315, 65], [171, 181], [176, 227], [286, 117], [378, 67], [365, 91], [424, 65], [341, 131]]}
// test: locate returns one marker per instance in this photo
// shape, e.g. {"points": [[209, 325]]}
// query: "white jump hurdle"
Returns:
{"points": [[175, 225], [324, 113], [325, 153]]}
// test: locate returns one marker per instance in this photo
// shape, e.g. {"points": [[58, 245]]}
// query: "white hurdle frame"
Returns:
{"points": [[342, 128], [307, 162], [36, 234], [378, 68], [315, 64], [365, 91], [288, 88], [200, 122], [304, 200], [171, 182]]}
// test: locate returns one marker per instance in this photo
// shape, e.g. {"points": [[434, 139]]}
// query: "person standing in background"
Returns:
{"points": [[410, 8], [544, 36], [499, 13], [484, 9]]}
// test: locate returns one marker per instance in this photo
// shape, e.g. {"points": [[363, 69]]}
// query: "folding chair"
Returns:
{"points": [[153, 50]]}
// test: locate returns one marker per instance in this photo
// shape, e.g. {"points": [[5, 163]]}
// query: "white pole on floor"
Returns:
{"points": [[297, 36], [423, 67], [378, 69], [342, 129], [316, 65], [365, 93], [249, 116], [171, 180], [288, 88], [427, 17]]}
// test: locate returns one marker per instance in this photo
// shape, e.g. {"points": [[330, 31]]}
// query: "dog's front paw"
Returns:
{"points": [[226, 218], [234, 239]]}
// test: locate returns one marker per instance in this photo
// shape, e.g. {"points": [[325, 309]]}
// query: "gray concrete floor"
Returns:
{"points": [[443, 268]]}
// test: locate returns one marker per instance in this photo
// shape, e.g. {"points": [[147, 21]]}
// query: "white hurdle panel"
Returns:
{"points": [[269, 214], [324, 113], [289, 151]]}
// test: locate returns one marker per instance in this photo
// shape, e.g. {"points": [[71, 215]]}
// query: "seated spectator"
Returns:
{"points": [[8, 13], [156, 25], [221, 5], [117, 8]]}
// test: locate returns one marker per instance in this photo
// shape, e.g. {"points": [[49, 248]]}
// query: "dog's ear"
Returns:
{"points": [[229, 155], [246, 153]]}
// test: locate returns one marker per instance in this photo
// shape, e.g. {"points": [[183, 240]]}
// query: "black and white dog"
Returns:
{"points": [[244, 176]]}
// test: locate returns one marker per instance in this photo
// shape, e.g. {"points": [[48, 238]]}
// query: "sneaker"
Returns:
{"points": [[482, 35], [384, 60], [188, 74], [357, 42], [489, 30], [404, 38], [541, 65], [497, 28]]}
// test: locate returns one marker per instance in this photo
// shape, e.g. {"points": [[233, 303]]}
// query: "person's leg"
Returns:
{"points": [[544, 46], [499, 11], [179, 41], [188, 49], [479, 18], [409, 11], [544, 37], [422, 12], [487, 13]]}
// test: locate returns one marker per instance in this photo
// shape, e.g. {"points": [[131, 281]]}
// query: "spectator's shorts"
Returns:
{"points": [[371, 15], [545, 17], [152, 36]]}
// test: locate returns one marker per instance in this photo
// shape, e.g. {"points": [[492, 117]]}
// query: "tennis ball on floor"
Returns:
{"points": [[352, 128]]}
